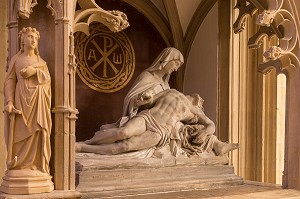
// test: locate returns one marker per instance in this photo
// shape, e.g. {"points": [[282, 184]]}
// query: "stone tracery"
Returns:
{"points": [[275, 18], [25, 8]]}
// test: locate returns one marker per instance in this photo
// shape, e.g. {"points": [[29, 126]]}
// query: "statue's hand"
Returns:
{"points": [[146, 96], [9, 108], [28, 72], [174, 148]]}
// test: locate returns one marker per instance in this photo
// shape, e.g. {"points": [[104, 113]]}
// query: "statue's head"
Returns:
{"points": [[25, 32], [167, 55], [196, 100]]}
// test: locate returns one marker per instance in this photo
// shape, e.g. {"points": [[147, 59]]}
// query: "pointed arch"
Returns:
{"points": [[148, 9], [202, 10]]}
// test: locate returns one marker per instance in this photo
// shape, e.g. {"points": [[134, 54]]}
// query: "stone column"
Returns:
{"points": [[3, 57], [13, 42], [8, 48], [64, 109], [224, 20], [291, 174]]}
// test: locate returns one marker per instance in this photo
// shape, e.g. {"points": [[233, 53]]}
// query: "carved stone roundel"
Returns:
{"points": [[106, 60]]}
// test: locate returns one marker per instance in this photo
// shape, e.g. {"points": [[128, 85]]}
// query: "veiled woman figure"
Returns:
{"points": [[151, 81], [27, 105]]}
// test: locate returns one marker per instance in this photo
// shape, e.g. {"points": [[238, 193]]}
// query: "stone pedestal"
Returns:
{"points": [[53, 195], [99, 177], [26, 181]]}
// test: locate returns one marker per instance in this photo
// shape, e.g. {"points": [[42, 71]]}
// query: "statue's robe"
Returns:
{"points": [[31, 129]]}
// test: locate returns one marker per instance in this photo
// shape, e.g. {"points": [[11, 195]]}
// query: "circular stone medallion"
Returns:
{"points": [[106, 60]]}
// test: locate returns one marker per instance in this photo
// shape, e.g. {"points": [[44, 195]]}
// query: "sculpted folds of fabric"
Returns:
{"points": [[32, 97]]}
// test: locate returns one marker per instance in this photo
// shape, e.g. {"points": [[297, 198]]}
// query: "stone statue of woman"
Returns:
{"points": [[151, 81], [27, 93]]}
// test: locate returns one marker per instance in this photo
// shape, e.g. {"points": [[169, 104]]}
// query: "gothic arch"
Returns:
{"points": [[197, 19], [148, 9]]}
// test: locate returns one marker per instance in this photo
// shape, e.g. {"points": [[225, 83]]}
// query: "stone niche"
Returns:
{"points": [[42, 19], [131, 173], [98, 175]]}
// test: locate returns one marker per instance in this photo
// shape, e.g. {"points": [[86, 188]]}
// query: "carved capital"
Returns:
{"points": [[64, 109]]}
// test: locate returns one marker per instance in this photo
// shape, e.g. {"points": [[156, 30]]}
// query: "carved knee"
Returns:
{"points": [[123, 134], [125, 146]]}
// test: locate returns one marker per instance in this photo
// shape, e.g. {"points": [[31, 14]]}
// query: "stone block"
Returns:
{"points": [[96, 177]]}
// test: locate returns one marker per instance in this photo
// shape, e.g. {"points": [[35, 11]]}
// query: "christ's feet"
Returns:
{"points": [[221, 148]]}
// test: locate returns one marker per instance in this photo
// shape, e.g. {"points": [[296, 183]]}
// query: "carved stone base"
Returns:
{"points": [[26, 181], [52, 195], [99, 177]]}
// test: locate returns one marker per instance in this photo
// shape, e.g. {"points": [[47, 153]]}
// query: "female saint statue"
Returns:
{"points": [[27, 93]]}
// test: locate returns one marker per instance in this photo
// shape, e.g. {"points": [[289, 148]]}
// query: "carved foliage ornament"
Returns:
{"points": [[273, 53], [275, 18], [25, 7], [90, 12]]}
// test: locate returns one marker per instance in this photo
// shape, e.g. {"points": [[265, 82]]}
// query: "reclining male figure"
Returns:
{"points": [[155, 126]]}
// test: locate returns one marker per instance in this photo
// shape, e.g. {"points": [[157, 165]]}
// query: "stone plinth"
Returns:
{"points": [[99, 177], [54, 194], [26, 181]]}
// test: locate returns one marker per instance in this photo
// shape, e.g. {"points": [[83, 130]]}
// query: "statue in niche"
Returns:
{"points": [[155, 116], [28, 125], [172, 118]]}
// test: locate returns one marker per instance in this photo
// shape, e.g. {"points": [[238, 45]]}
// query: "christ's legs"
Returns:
{"points": [[103, 136], [133, 127], [146, 140]]}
